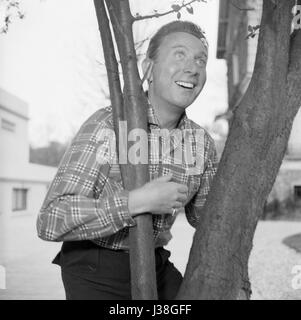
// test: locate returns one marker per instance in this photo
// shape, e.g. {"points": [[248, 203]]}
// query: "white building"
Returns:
{"points": [[23, 185]]}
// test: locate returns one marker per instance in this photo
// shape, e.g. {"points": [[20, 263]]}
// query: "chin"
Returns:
{"points": [[184, 104]]}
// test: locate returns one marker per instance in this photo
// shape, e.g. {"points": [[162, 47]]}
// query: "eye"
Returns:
{"points": [[179, 54], [201, 62]]}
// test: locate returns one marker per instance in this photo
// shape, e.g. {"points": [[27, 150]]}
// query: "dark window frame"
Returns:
{"points": [[297, 192]]}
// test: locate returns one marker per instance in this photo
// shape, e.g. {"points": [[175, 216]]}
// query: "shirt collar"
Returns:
{"points": [[153, 119]]}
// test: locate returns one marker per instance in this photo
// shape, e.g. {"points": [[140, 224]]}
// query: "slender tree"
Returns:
{"points": [[129, 105]]}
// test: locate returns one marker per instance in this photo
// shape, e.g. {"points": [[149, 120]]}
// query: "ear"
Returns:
{"points": [[147, 68]]}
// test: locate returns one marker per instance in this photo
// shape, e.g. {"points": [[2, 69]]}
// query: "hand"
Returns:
{"points": [[159, 196]]}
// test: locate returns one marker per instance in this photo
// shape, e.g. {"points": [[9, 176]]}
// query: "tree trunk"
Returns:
{"points": [[218, 261], [132, 108]]}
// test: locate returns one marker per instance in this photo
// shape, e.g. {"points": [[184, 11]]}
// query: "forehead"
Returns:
{"points": [[184, 39]]}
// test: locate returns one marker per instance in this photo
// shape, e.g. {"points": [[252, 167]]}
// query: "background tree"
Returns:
{"points": [[9, 10], [50, 155]]}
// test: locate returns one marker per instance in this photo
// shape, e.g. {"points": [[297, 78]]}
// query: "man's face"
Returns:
{"points": [[179, 71]]}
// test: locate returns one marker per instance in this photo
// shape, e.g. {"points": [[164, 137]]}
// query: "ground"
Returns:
{"points": [[30, 274]]}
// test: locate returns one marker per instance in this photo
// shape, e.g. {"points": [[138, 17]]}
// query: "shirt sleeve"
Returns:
{"points": [[194, 207], [74, 207]]}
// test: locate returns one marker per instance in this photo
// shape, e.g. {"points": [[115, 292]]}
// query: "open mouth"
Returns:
{"points": [[185, 85]]}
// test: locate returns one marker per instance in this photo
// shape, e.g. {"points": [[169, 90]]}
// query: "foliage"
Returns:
{"points": [[9, 10], [50, 155], [252, 31], [174, 8]]}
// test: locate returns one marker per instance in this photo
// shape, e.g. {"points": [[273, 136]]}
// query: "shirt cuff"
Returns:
{"points": [[117, 209]]}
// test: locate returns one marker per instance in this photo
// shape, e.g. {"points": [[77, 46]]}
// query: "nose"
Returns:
{"points": [[191, 67]]}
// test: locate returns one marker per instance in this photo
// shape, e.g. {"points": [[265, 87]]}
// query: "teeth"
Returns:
{"points": [[185, 84]]}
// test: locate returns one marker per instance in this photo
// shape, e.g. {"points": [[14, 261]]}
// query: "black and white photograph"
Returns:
{"points": [[150, 150]]}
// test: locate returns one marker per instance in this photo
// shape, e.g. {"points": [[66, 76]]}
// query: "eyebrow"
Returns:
{"points": [[200, 55]]}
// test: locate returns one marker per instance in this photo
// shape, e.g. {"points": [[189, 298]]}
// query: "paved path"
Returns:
{"points": [[30, 274], [271, 262]]}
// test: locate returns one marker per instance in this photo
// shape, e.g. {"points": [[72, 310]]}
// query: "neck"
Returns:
{"points": [[168, 116]]}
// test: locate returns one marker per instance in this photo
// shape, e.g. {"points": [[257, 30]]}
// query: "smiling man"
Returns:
{"points": [[87, 207], [176, 72]]}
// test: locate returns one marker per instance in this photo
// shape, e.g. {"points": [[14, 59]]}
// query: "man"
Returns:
{"points": [[87, 206]]}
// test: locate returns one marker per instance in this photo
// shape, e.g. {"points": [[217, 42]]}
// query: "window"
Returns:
{"points": [[297, 193], [8, 125], [19, 199]]}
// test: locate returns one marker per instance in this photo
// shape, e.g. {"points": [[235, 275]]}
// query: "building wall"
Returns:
{"points": [[35, 194], [284, 185], [14, 146], [3, 223], [254, 19], [240, 52], [283, 200], [236, 50], [15, 170]]}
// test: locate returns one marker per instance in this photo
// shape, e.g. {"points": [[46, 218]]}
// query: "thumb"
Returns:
{"points": [[165, 178]]}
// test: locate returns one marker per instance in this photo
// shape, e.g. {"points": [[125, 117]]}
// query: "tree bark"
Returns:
{"points": [[218, 261], [131, 107]]}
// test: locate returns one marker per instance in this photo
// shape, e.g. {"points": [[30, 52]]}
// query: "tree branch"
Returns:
{"points": [[110, 60], [139, 44], [12, 11], [158, 15]]}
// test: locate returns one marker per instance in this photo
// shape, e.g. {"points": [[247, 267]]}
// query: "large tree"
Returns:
{"points": [[218, 261]]}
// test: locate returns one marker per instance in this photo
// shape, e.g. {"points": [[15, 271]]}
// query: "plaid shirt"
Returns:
{"points": [[87, 201]]}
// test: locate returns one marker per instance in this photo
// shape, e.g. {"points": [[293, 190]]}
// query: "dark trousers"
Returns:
{"points": [[90, 272]]}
